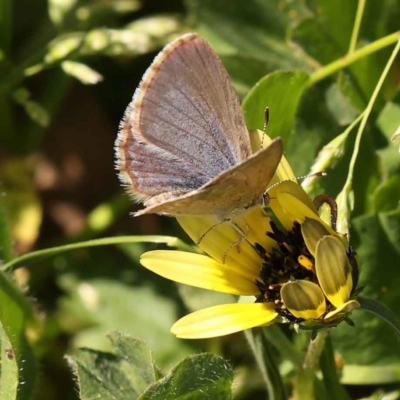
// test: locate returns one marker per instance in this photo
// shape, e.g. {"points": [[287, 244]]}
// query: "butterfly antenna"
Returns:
{"points": [[266, 120], [265, 196]]}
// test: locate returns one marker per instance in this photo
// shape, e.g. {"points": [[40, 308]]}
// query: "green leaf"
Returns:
{"points": [[18, 365], [315, 127], [281, 92], [130, 370], [202, 376], [95, 307], [327, 159], [370, 375], [139, 37], [20, 202], [34, 110], [101, 375], [340, 106], [386, 196], [82, 72], [122, 375], [62, 47], [137, 354], [253, 28], [72, 12], [371, 347], [6, 23], [377, 308], [245, 71], [388, 122], [59, 9], [326, 35]]}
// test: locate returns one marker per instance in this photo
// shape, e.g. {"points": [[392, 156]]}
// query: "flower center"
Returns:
{"points": [[290, 261]]}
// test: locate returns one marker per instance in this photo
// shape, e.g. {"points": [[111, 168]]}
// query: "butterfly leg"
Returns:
{"points": [[210, 229], [239, 240]]}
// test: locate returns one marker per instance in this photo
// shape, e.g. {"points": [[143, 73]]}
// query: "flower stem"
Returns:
{"points": [[354, 36], [331, 380], [349, 59], [52, 251], [266, 364], [314, 351], [305, 379], [274, 335], [357, 25], [345, 197], [368, 110]]}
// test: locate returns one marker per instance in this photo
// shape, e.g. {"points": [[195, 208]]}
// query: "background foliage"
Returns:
{"points": [[68, 69]]}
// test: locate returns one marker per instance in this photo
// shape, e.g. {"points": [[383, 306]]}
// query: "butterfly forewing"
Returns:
{"points": [[147, 172], [187, 106]]}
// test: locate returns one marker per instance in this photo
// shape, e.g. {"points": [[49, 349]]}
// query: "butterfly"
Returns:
{"points": [[183, 147]]}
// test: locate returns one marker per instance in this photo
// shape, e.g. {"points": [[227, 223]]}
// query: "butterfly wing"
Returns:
{"points": [[185, 113], [146, 171], [233, 191]]}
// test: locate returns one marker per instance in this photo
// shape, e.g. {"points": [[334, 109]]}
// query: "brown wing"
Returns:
{"points": [[232, 191], [146, 172], [185, 114]]}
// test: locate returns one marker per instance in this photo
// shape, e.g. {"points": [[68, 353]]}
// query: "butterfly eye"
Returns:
{"points": [[265, 199]]}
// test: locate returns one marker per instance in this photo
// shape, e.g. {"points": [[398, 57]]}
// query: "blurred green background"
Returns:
{"points": [[68, 69]]}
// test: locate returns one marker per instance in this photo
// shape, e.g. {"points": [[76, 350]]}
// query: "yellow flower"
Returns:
{"points": [[294, 265]]}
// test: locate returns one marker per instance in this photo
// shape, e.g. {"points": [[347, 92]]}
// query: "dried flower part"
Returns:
{"points": [[304, 299], [342, 311], [312, 231], [333, 270]]}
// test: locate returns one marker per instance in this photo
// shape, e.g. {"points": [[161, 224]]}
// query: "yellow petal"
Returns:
{"points": [[258, 224], [312, 230], [343, 309], [295, 208], [201, 271], [333, 270], [303, 299], [217, 240], [298, 209], [223, 320], [283, 207], [296, 191], [284, 171]]}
